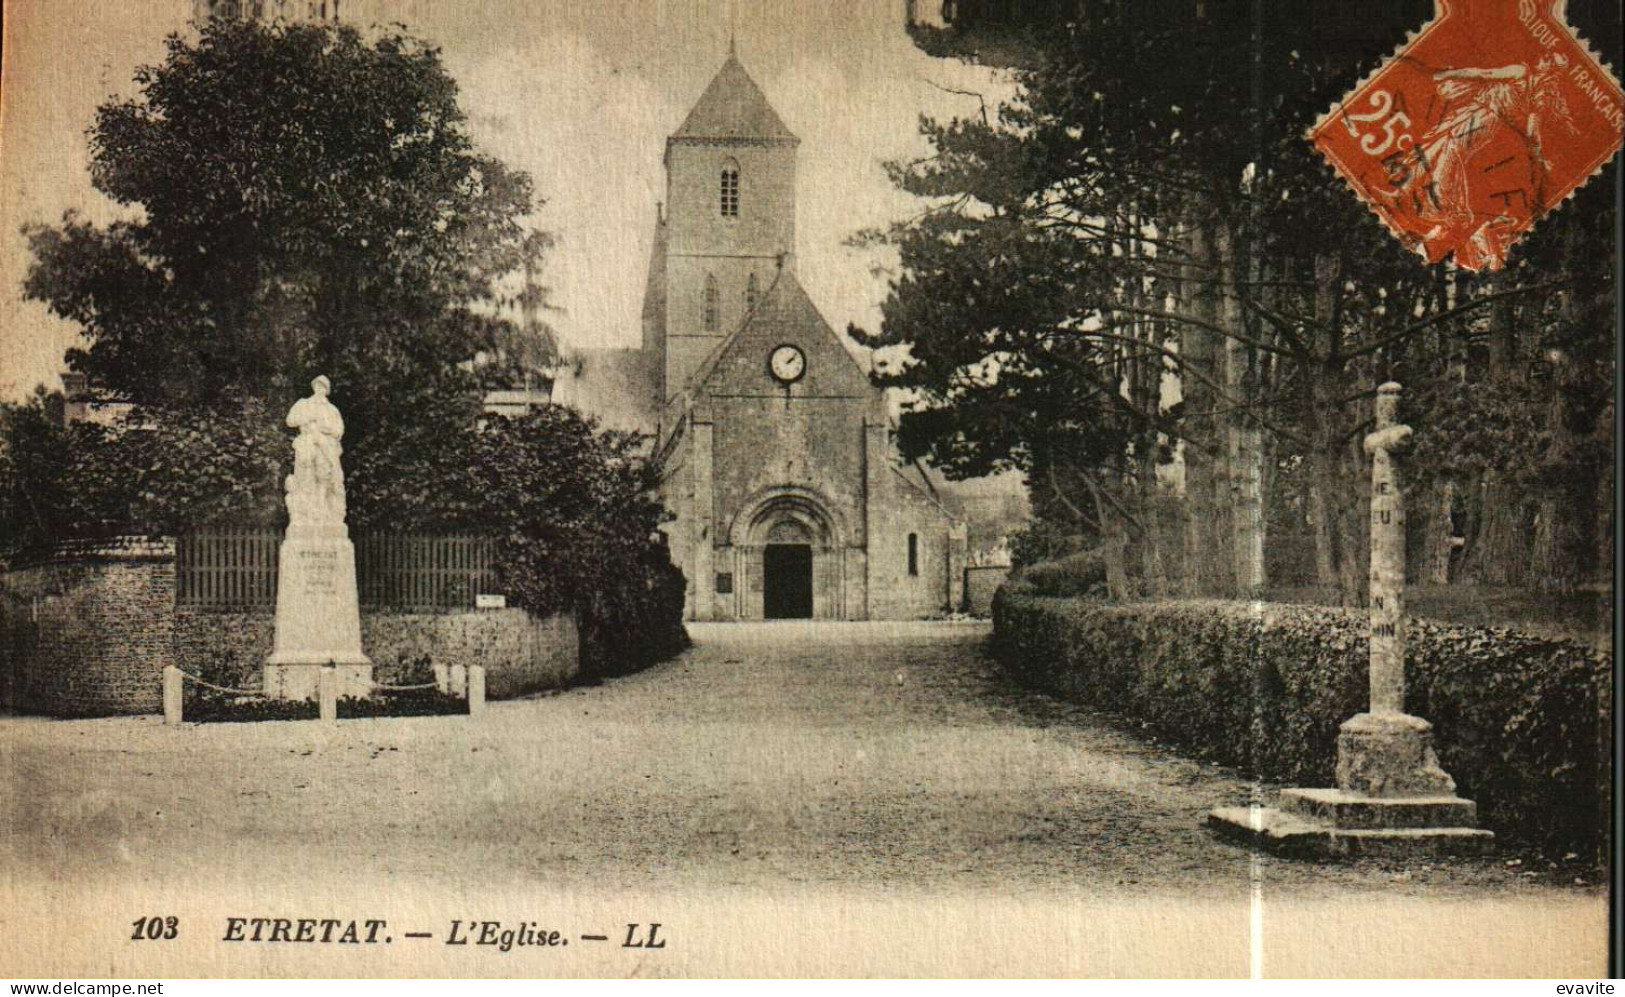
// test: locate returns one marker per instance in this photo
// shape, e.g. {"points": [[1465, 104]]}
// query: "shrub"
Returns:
{"points": [[208, 706], [1516, 715], [579, 520], [1044, 540], [402, 703], [636, 620], [1079, 574]]}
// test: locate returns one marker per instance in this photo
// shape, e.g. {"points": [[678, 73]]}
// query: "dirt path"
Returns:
{"points": [[857, 760]]}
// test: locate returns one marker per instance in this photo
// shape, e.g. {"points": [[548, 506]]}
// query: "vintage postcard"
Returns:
{"points": [[709, 488]]}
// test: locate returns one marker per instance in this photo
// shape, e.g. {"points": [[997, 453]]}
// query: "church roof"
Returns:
{"points": [[785, 314], [616, 386], [733, 106]]}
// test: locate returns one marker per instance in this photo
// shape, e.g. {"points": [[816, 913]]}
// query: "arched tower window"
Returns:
{"points": [[751, 294], [730, 189], [708, 316], [914, 553]]}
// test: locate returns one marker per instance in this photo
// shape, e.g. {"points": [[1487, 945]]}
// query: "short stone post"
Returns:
{"points": [[1391, 794], [174, 694], [327, 695], [476, 690]]}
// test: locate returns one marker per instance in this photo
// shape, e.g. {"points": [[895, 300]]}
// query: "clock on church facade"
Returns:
{"points": [[787, 363], [788, 498]]}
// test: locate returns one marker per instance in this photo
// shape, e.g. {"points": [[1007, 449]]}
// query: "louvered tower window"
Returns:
{"points": [[730, 190], [750, 294]]}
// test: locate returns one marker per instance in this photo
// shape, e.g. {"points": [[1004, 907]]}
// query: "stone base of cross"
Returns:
{"points": [[1391, 795]]}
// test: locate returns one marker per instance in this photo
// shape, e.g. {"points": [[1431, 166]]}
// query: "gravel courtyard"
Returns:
{"points": [[773, 764]]}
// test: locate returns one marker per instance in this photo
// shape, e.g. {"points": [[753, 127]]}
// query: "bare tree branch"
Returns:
{"points": [[964, 93], [1431, 320]]}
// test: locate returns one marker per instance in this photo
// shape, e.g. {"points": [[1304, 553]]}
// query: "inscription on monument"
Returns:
{"points": [[1387, 556]]}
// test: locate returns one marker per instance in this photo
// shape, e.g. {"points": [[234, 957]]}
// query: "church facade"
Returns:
{"points": [[788, 496]]}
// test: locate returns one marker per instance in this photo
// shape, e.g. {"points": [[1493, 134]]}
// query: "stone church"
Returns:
{"points": [[789, 498]]}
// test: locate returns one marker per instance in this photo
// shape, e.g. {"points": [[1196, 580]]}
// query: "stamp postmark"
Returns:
{"points": [[1481, 124]]}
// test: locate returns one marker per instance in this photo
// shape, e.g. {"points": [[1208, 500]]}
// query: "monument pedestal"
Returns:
{"points": [[1390, 754], [1392, 799], [318, 617]]}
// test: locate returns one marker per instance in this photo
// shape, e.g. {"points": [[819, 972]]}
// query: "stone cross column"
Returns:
{"points": [[1386, 752], [1391, 794], [1387, 556]]}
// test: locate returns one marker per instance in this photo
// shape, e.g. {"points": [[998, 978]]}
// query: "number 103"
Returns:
{"points": [[152, 929]]}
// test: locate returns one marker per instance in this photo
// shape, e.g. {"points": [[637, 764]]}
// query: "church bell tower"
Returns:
{"points": [[730, 222]]}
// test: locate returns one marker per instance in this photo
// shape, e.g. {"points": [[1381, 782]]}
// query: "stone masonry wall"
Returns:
{"points": [[89, 635], [981, 583], [521, 653]]}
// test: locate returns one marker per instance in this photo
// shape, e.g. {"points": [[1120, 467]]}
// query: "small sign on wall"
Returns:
{"points": [[483, 601], [725, 583]]}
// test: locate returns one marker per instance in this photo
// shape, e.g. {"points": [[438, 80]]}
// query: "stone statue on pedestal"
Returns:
{"points": [[318, 615], [315, 489]]}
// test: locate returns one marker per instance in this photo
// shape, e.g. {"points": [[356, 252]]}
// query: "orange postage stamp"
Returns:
{"points": [[1476, 128]]}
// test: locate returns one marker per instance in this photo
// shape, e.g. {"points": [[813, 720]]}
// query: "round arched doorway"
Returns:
{"points": [[790, 552], [787, 572]]}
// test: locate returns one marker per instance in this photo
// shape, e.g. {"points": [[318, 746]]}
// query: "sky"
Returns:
{"points": [[581, 95]]}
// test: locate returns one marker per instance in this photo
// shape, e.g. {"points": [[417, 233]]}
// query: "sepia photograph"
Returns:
{"points": [[845, 489]]}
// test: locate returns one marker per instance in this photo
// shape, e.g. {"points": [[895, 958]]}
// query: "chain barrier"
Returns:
{"points": [[260, 693]]}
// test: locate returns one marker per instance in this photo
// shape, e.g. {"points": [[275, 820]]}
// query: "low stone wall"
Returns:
{"points": [[521, 653], [981, 582], [87, 636], [90, 634]]}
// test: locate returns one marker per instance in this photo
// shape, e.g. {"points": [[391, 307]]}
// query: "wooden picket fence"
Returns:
{"points": [[237, 569], [424, 572], [227, 569]]}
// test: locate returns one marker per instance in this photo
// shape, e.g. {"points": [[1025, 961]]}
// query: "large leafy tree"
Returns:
{"points": [[575, 510], [304, 199]]}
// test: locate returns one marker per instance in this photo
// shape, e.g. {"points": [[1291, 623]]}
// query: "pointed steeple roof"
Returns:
{"points": [[734, 107]]}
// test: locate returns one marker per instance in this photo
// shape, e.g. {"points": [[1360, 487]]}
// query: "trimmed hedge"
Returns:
{"points": [[1516, 716], [1079, 574]]}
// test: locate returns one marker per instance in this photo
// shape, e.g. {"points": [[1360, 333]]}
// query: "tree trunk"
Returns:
{"points": [[1559, 521], [1554, 563], [1431, 565], [1325, 492], [1325, 489], [1244, 444], [1196, 349], [1354, 524], [1503, 336], [1500, 548], [1114, 544]]}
